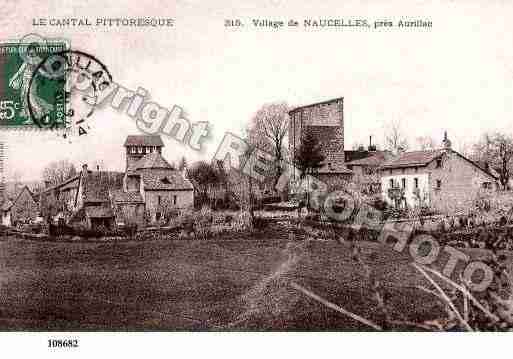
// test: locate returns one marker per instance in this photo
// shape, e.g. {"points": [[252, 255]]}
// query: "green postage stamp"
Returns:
{"points": [[29, 98]]}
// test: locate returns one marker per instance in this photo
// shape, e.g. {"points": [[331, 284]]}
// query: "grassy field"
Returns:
{"points": [[218, 284]]}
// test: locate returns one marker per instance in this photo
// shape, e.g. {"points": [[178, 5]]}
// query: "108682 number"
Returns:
{"points": [[62, 343]]}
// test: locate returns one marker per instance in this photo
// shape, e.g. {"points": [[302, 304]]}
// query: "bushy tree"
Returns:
{"points": [[308, 158]]}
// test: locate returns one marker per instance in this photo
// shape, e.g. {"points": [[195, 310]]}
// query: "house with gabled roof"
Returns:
{"points": [[23, 209], [153, 180], [441, 179]]}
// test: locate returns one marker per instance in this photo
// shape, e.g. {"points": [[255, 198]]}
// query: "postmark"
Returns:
{"points": [[83, 76], [19, 62]]}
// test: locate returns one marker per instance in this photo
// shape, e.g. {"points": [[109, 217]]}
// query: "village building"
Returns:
{"points": [[441, 179], [23, 209], [365, 165], [146, 192], [162, 188], [325, 122]]}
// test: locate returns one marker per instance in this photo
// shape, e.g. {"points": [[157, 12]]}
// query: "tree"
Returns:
{"points": [[267, 131], [496, 150], [308, 158], [58, 171], [425, 143], [206, 179], [395, 139]]}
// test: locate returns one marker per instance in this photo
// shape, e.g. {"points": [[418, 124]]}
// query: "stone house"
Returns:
{"points": [[148, 190], [83, 198], [151, 179], [441, 179], [366, 170], [23, 209]]}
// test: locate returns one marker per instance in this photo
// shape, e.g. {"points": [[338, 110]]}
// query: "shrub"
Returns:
{"points": [[203, 220], [243, 222]]}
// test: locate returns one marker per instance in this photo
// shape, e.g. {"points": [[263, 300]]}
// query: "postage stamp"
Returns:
{"points": [[83, 76], [21, 87]]}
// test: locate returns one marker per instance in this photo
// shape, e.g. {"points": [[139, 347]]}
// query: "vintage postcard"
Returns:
{"points": [[270, 166]]}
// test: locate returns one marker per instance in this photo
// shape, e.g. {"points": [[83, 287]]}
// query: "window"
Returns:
{"points": [[416, 182], [487, 185], [438, 184], [140, 150], [133, 149], [403, 182], [439, 163], [174, 200], [391, 183], [160, 200], [147, 149]]}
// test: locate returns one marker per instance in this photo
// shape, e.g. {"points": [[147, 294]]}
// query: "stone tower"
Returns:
{"points": [[325, 121], [138, 146]]}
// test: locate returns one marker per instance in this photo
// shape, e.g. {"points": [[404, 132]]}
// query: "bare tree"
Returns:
{"points": [[425, 143], [59, 171], [17, 184], [395, 138], [496, 150], [267, 131]]}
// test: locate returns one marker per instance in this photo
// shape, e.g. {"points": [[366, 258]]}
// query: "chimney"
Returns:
{"points": [[371, 146]]}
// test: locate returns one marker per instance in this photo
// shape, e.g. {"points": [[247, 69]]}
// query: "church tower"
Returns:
{"points": [[137, 147]]}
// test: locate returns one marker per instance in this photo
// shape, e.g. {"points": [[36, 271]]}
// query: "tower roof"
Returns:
{"points": [[144, 140], [151, 160]]}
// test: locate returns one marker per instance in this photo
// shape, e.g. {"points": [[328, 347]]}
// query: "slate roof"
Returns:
{"points": [[413, 158], [143, 140], [127, 197], [164, 179], [373, 159], [69, 183], [423, 158], [98, 184], [152, 160], [98, 212]]}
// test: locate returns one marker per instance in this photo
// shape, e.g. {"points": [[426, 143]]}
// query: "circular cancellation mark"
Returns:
{"points": [[75, 79]]}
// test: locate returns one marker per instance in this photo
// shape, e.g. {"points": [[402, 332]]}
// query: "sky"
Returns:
{"points": [[455, 77]]}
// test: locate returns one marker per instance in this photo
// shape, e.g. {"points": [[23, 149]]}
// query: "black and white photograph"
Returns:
{"points": [[255, 171]]}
